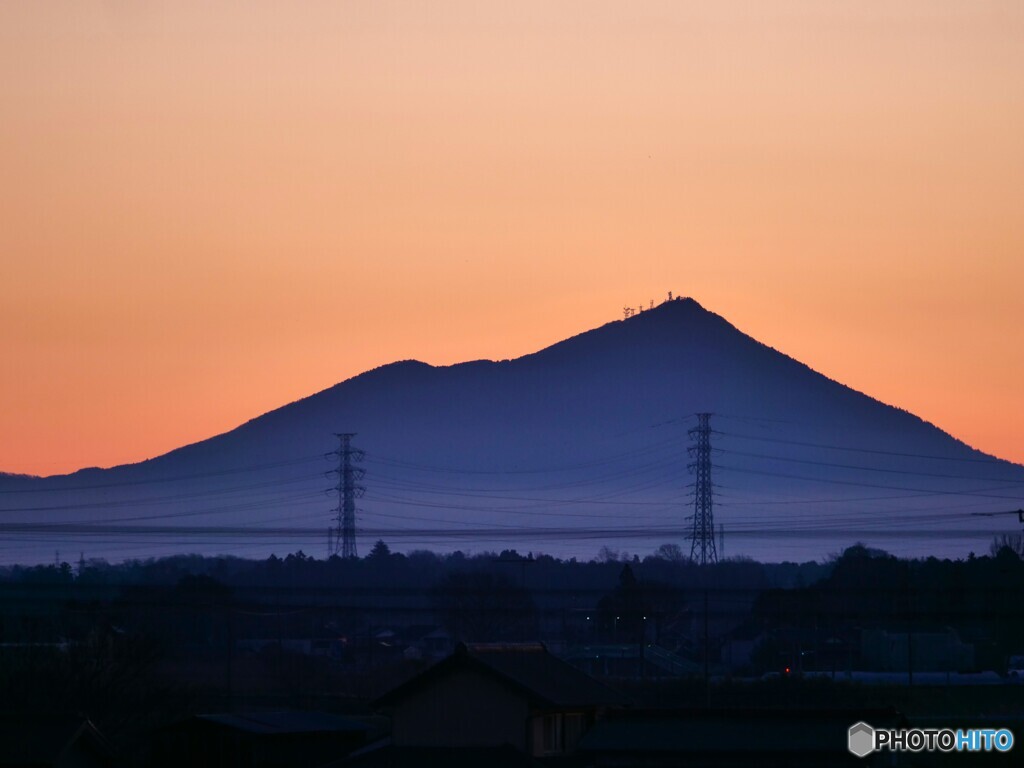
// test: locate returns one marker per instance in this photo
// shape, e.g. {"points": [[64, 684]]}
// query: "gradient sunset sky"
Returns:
{"points": [[209, 209]]}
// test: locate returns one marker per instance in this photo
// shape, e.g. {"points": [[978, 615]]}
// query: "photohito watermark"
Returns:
{"points": [[864, 739]]}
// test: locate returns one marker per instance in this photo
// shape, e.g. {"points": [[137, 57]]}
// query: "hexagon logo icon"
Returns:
{"points": [[861, 739]]}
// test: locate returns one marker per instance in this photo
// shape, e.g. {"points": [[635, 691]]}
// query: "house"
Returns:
{"points": [[498, 694], [431, 643], [798, 650], [259, 739]]}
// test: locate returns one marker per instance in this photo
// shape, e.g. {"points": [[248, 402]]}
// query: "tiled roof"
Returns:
{"points": [[528, 667], [544, 675]]}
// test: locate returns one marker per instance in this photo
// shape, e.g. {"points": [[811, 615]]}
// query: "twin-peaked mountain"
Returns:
{"points": [[581, 445]]}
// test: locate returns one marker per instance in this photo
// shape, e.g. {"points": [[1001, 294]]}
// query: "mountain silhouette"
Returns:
{"points": [[581, 445]]}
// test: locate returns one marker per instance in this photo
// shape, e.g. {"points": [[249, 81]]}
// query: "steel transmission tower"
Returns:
{"points": [[341, 538], [702, 540]]}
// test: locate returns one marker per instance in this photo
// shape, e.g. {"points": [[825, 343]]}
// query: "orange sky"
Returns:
{"points": [[209, 209]]}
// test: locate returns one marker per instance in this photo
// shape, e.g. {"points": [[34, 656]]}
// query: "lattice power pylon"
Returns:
{"points": [[702, 540], [341, 538]]}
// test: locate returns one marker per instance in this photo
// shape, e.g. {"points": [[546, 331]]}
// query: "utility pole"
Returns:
{"points": [[910, 632], [707, 663], [702, 540], [343, 535]]}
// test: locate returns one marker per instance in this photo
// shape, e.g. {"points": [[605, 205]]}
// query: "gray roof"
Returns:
{"points": [[527, 667]]}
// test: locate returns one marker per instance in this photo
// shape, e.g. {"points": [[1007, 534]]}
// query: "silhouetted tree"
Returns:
{"points": [[380, 551], [671, 552], [1014, 541], [625, 613]]}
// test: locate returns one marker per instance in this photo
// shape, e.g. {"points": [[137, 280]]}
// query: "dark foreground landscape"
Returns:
{"points": [[425, 659]]}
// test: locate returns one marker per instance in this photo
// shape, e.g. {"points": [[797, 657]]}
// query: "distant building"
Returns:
{"points": [[631, 660], [940, 650], [434, 643]]}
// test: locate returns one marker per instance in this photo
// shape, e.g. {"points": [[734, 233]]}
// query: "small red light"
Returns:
{"points": [[787, 670]]}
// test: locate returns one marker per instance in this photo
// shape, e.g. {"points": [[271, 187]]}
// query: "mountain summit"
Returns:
{"points": [[579, 445]]}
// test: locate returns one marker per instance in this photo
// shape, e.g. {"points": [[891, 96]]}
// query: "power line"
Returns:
{"points": [[510, 533], [375, 458], [163, 499], [154, 480], [861, 450], [982, 492], [888, 470]]}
